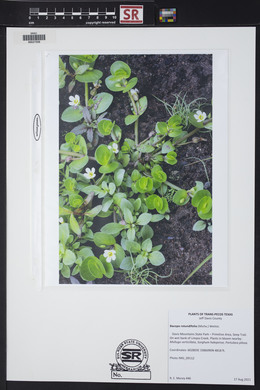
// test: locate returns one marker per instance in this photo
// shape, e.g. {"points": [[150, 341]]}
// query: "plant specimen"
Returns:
{"points": [[105, 175]]}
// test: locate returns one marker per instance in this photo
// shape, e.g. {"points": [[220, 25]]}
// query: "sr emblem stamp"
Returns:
{"points": [[131, 361]]}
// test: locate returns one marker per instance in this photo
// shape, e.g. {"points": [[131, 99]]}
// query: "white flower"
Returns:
{"points": [[110, 255], [61, 220], [134, 93], [74, 101], [90, 173], [200, 116], [114, 148]]}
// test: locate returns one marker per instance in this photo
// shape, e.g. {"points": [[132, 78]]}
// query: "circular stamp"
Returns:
{"points": [[132, 355]]}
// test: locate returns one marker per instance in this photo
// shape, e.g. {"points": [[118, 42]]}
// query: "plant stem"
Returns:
{"points": [[196, 162], [186, 136], [86, 94], [160, 140], [172, 185], [136, 132], [72, 154], [133, 103], [100, 179]]}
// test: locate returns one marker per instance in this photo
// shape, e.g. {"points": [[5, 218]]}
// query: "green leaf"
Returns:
{"points": [[120, 69], [65, 271], [161, 128], [90, 76], [128, 216], [70, 137], [64, 233], [131, 234], [135, 175], [63, 211], [147, 245], [103, 239], [120, 255], [156, 258], [199, 226], [75, 270], [167, 147], [125, 204], [132, 246], [146, 148], [210, 228], [198, 196], [109, 269], [74, 225], [106, 204], [91, 268], [131, 84], [69, 258], [72, 114], [147, 232], [85, 252], [158, 174], [62, 65], [109, 168], [93, 212], [140, 261], [142, 105], [112, 228], [157, 217], [144, 219], [129, 119], [104, 100], [81, 69], [181, 197], [116, 133], [144, 184], [137, 204], [119, 176], [76, 200], [205, 205], [208, 126], [105, 126], [114, 84], [171, 158], [78, 165], [103, 155], [126, 264]]}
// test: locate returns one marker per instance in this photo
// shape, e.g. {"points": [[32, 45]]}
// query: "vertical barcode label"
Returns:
{"points": [[34, 37]]}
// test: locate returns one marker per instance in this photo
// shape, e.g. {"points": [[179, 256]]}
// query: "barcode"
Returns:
{"points": [[34, 37]]}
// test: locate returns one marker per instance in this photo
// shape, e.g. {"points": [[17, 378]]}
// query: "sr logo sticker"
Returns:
{"points": [[131, 361]]}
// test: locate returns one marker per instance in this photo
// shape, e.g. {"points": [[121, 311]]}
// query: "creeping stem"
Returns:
{"points": [[72, 154], [86, 94], [136, 132]]}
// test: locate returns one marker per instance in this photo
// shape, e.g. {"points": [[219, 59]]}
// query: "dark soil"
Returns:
{"points": [[164, 76]]}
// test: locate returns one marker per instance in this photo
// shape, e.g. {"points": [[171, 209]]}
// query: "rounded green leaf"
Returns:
{"points": [[132, 246], [103, 155], [119, 176], [180, 197], [170, 158], [147, 245], [144, 219], [72, 114], [140, 261], [144, 184], [129, 119], [161, 128], [69, 257], [114, 84], [147, 232], [120, 69], [199, 226], [156, 258], [70, 137], [90, 76], [205, 205], [65, 271], [112, 228], [75, 200], [78, 165], [126, 264], [103, 100], [205, 215], [105, 126], [109, 168], [198, 196], [131, 84], [109, 269], [103, 239], [158, 174], [120, 255]]}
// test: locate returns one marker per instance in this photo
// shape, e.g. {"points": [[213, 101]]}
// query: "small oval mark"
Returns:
{"points": [[37, 127]]}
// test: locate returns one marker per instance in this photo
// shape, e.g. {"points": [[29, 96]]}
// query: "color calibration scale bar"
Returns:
{"points": [[167, 15], [37, 12]]}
